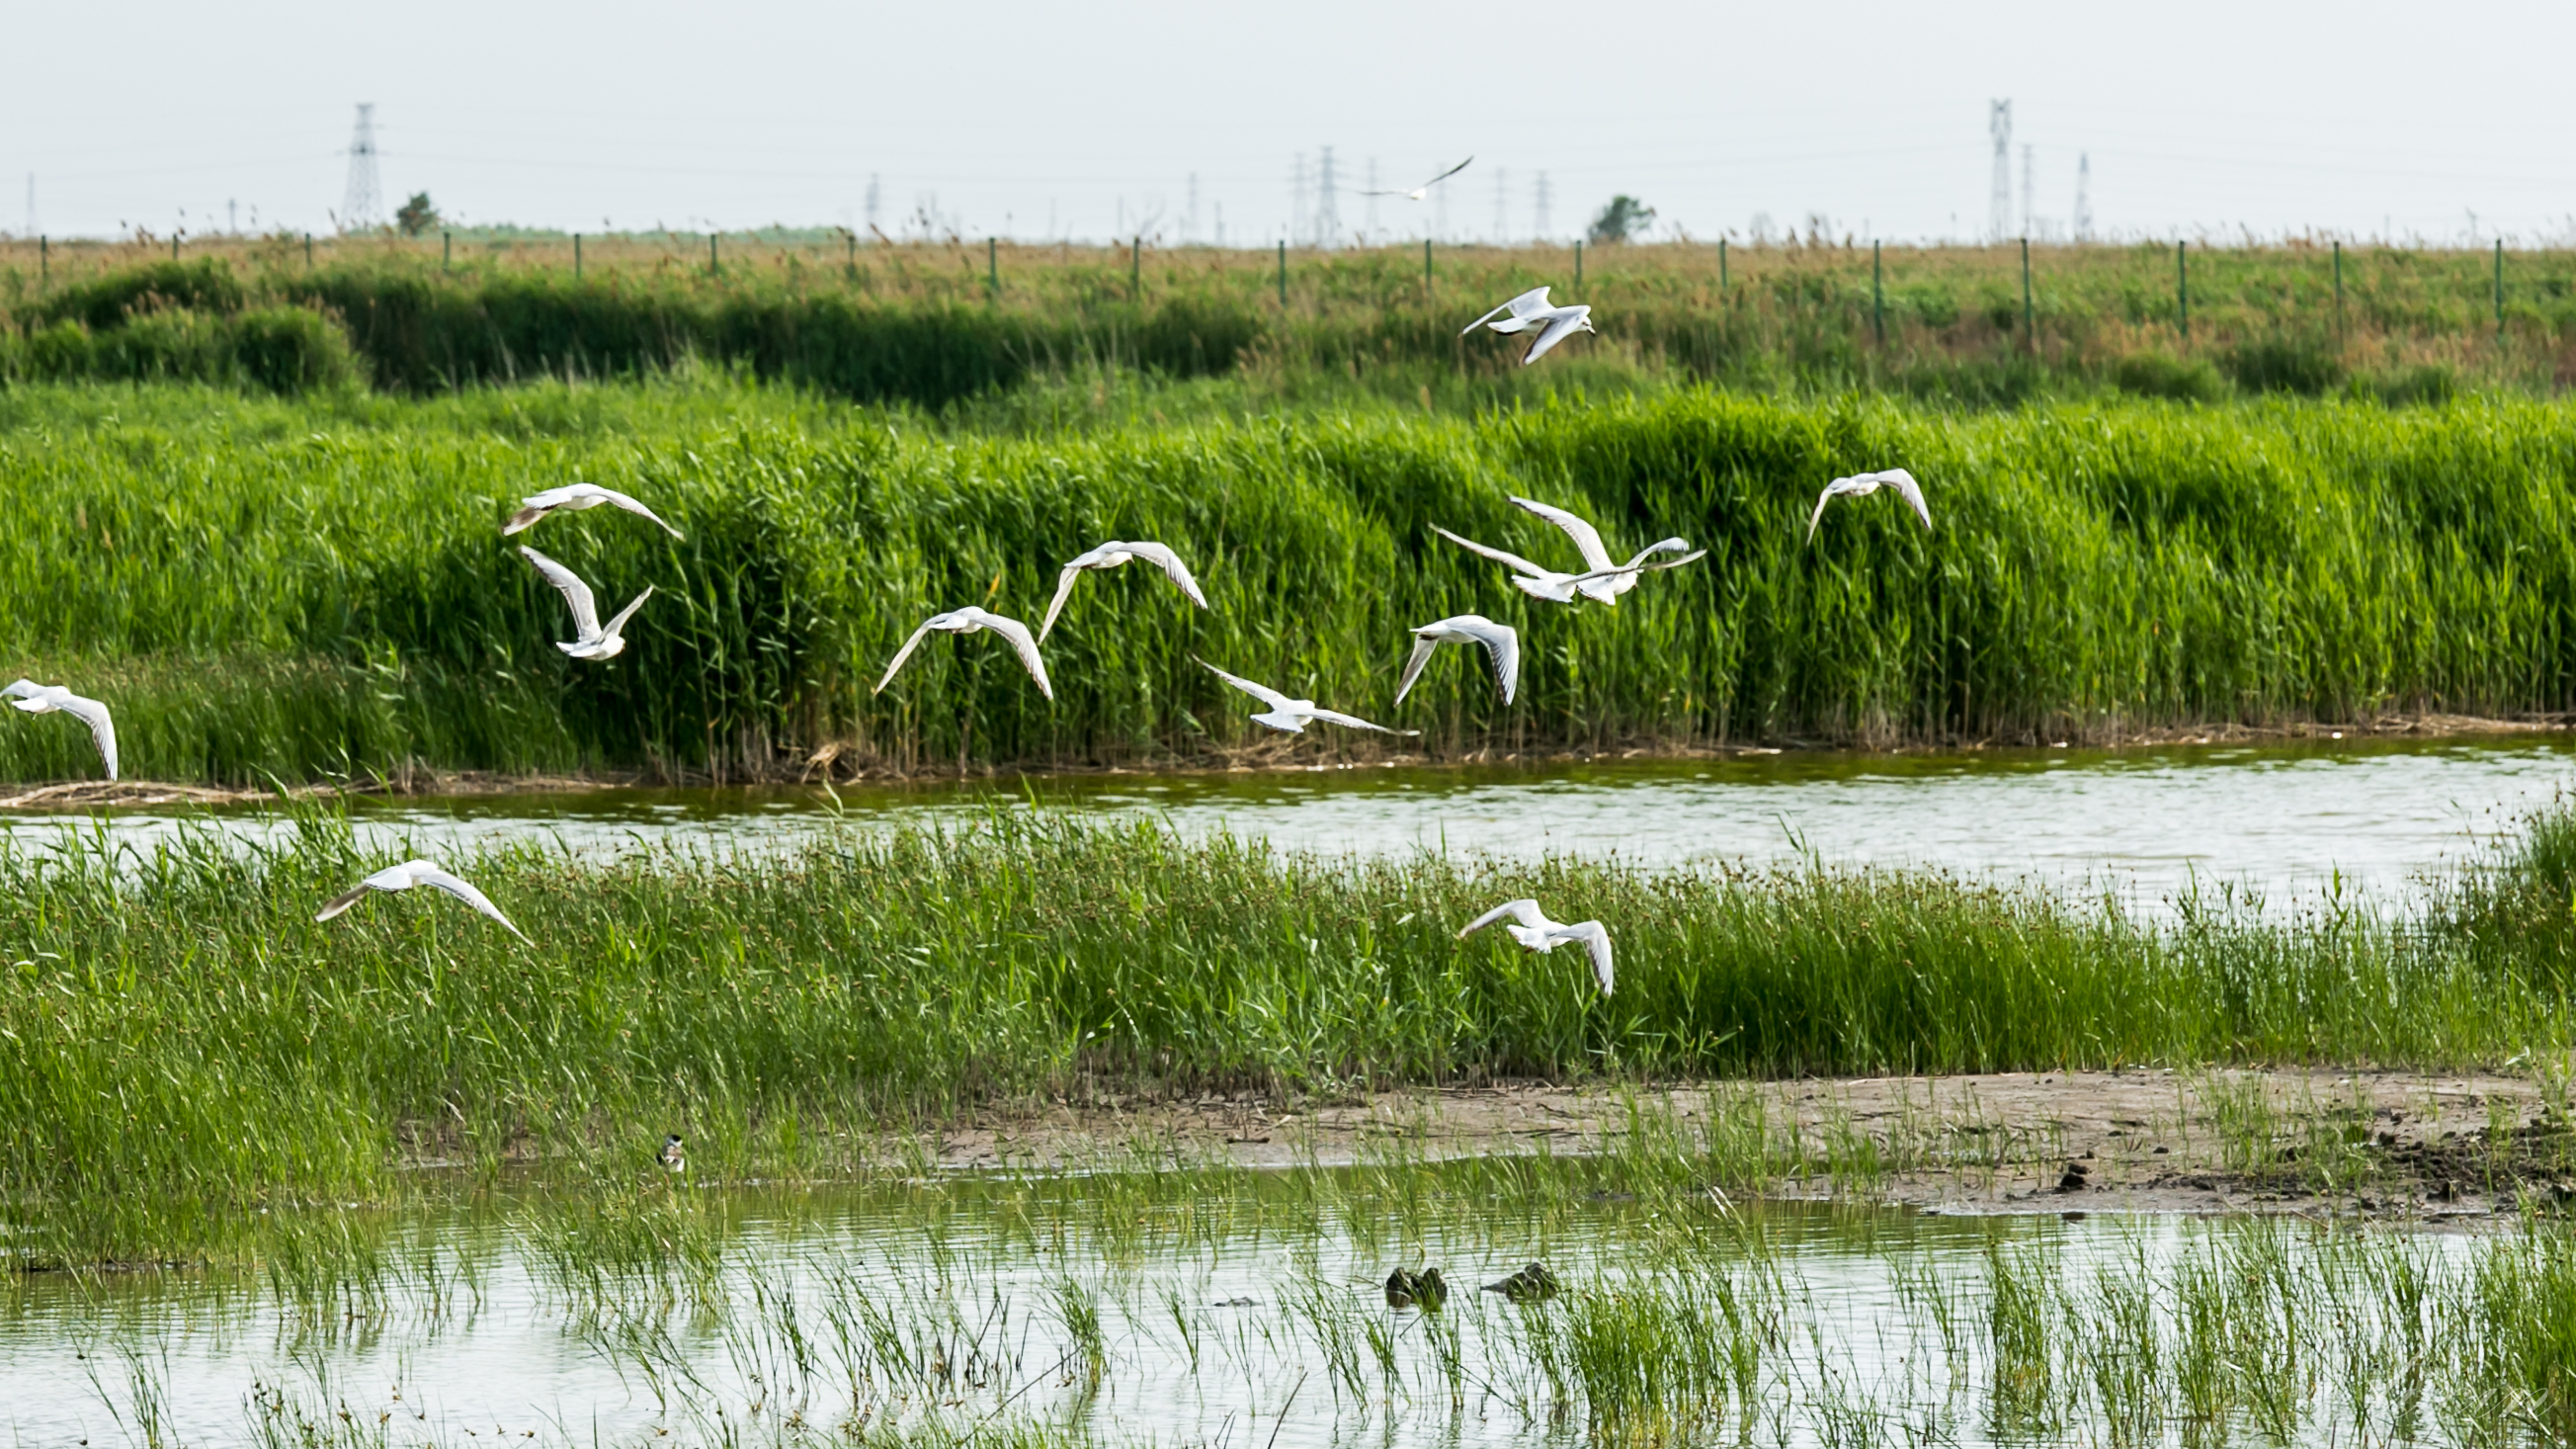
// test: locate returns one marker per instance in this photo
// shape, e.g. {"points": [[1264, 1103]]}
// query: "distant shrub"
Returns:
{"points": [[62, 350], [104, 302], [2425, 384], [1976, 381], [174, 345], [292, 350], [2308, 367], [2153, 374]]}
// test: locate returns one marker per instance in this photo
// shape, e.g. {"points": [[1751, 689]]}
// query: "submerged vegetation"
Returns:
{"points": [[181, 1042], [318, 590]]}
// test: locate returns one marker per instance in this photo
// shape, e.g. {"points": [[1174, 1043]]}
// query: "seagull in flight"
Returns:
{"points": [[1531, 927], [1532, 309], [572, 498], [1291, 716], [1419, 192], [419, 873], [972, 620], [37, 698], [1861, 485], [1596, 555], [1547, 584], [590, 641], [1502, 643], [1110, 556]]}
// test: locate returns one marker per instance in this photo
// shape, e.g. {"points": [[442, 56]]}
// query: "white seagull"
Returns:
{"points": [[1537, 582], [591, 641], [1532, 309], [972, 620], [1596, 555], [1111, 555], [1531, 927], [1419, 192], [1291, 716], [419, 873], [572, 498], [1501, 641], [1861, 485], [37, 698]]}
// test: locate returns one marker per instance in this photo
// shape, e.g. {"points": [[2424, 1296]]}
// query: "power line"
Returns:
{"points": [[359, 206]]}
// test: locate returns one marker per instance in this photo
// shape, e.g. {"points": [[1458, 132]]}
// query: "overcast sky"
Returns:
{"points": [[1054, 119]]}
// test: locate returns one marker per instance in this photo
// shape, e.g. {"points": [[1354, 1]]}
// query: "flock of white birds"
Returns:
{"points": [[1601, 580]]}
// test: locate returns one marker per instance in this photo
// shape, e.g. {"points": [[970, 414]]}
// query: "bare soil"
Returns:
{"points": [[2443, 1148]]}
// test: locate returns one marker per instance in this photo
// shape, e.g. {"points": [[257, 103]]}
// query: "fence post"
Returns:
{"points": [[2029, 322], [1721, 264], [1283, 276], [44, 261], [714, 265], [1578, 264], [576, 256], [174, 249], [993, 266], [1878, 294], [2338, 260], [446, 248], [1136, 269], [2182, 290], [1426, 266], [852, 259], [308, 251], [2499, 291]]}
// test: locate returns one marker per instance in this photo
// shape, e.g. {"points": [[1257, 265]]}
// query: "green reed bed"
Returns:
{"points": [[180, 1042], [306, 591]]}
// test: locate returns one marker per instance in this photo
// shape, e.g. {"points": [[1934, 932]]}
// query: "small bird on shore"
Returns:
{"points": [[1408, 1289], [1531, 927], [1620, 578], [1533, 1284], [972, 620], [591, 640], [573, 498], [1419, 192], [1861, 485], [1532, 309], [1502, 645], [1291, 716], [420, 873], [1557, 588], [673, 1159], [36, 698], [1111, 555]]}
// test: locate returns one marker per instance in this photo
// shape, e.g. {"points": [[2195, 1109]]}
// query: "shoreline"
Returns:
{"points": [[1281, 758]]}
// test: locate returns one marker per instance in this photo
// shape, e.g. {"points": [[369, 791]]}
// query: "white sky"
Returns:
{"points": [[1046, 119]]}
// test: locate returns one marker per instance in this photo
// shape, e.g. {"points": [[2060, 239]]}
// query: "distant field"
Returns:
{"points": [[318, 588], [932, 323]]}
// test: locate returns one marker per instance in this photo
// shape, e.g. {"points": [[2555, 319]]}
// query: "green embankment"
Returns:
{"points": [[179, 1039], [317, 589]]}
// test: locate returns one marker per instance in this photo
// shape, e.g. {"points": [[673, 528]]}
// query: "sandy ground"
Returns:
{"points": [[2443, 1148], [833, 764]]}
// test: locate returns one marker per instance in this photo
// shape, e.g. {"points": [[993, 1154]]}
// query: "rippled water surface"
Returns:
{"points": [[2281, 821]]}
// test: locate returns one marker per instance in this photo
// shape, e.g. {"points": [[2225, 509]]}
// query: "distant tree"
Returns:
{"points": [[1622, 220], [419, 215]]}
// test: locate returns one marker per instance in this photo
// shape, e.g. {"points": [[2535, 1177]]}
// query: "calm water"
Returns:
{"points": [[1227, 1314], [2281, 821]]}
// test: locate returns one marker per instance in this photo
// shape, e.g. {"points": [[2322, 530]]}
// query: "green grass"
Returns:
{"points": [[306, 590], [180, 1041]]}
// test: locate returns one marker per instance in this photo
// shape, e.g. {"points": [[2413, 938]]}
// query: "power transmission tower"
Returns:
{"points": [[2083, 196], [1297, 201], [2027, 163], [1371, 208], [1999, 205], [1328, 216], [359, 208], [1502, 214], [1538, 219]]}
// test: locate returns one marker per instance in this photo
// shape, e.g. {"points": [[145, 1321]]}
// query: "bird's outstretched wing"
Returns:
{"points": [[1352, 721], [1262, 692], [1587, 539], [1596, 939], [1912, 492], [1508, 560], [1018, 634], [102, 729], [1524, 910], [1832, 491], [622, 500], [1175, 570], [1445, 175], [436, 879], [1669, 545], [1423, 649], [1533, 300], [1502, 650], [342, 902], [585, 610], [22, 689], [534, 508], [1063, 591], [627, 613], [1565, 324], [905, 652], [391, 878]]}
